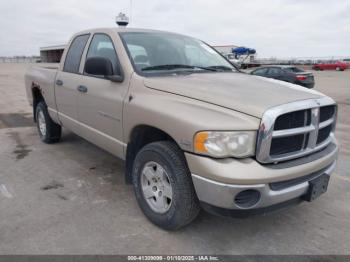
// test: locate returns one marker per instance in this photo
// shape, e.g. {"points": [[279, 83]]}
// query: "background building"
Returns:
{"points": [[51, 54]]}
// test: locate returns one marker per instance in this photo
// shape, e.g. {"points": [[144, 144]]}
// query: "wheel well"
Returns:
{"points": [[141, 136], [37, 97]]}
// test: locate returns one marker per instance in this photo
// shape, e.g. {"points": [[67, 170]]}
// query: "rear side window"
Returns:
{"points": [[74, 54]]}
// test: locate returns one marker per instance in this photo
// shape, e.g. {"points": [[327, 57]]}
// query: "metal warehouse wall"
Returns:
{"points": [[51, 56]]}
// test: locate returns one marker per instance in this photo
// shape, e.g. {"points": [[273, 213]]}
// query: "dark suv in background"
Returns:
{"points": [[289, 74]]}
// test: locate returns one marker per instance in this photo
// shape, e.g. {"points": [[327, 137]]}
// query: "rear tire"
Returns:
{"points": [[178, 204], [48, 130]]}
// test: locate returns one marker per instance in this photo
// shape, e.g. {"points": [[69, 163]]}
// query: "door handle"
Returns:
{"points": [[59, 82], [82, 89]]}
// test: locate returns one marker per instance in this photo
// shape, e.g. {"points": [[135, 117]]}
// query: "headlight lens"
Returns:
{"points": [[225, 144]]}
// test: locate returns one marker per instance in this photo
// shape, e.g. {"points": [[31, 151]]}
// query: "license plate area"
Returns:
{"points": [[317, 187]]}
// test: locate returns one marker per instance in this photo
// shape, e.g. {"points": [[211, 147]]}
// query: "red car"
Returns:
{"points": [[339, 66]]}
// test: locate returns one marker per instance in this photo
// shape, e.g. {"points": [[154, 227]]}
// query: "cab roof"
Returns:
{"points": [[124, 29]]}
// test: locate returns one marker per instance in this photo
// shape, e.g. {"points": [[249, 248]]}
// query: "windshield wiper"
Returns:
{"points": [[220, 68], [176, 66]]}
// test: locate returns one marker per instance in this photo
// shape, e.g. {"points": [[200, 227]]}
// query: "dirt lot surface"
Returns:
{"points": [[70, 198]]}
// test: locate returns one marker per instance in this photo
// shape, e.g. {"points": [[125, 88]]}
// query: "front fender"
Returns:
{"points": [[180, 117]]}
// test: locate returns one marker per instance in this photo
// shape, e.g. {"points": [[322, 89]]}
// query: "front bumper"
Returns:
{"points": [[276, 186], [223, 195]]}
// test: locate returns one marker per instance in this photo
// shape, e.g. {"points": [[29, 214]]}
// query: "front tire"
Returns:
{"points": [[337, 68], [163, 186], [48, 130]]}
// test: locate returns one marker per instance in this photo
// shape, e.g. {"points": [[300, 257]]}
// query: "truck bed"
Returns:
{"points": [[43, 77], [49, 66]]}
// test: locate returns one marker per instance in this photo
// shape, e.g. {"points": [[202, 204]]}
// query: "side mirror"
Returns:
{"points": [[116, 78], [99, 66]]}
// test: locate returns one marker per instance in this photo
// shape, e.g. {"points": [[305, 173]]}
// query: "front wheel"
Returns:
{"points": [[163, 186], [49, 131], [337, 68]]}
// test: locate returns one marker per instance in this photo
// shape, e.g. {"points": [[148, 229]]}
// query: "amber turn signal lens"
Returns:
{"points": [[199, 142]]}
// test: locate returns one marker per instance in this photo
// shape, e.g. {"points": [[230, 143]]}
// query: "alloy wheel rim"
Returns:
{"points": [[42, 123], [156, 187]]}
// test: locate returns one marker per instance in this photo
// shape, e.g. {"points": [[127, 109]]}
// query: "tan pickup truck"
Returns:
{"points": [[193, 130]]}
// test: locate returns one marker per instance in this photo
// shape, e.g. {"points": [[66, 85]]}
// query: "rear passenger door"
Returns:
{"points": [[67, 81]]}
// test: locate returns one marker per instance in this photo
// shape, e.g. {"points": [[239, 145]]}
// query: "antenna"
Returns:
{"points": [[130, 11], [122, 19]]}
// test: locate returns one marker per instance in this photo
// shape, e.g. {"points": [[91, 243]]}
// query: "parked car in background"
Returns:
{"points": [[289, 74], [339, 66]]}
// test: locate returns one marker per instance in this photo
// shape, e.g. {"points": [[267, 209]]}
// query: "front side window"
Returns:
{"points": [[74, 54], [102, 46], [153, 52]]}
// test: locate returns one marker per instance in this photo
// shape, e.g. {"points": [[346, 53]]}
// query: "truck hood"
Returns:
{"points": [[245, 93]]}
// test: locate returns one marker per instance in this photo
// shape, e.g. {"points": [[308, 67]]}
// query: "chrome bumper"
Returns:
{"points": [[222, 195]]}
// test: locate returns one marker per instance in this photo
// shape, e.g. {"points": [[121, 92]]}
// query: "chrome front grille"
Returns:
{"points": [[296, 129]]}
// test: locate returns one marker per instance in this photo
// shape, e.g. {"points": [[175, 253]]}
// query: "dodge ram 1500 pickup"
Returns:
{"points": [[194, 131]]}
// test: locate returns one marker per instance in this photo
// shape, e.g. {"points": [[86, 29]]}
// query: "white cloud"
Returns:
{"points": [[282, 28]]}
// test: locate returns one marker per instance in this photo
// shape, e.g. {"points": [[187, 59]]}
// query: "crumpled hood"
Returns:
{"points": [[241, 92]]}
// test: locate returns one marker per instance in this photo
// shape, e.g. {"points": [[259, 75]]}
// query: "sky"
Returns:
{"points": [[275, 28]]}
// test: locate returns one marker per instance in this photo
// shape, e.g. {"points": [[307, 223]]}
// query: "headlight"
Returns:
{"points": [[225, 144]]}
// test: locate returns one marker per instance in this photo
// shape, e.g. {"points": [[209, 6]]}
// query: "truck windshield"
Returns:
{"points": [[152, 53]]}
